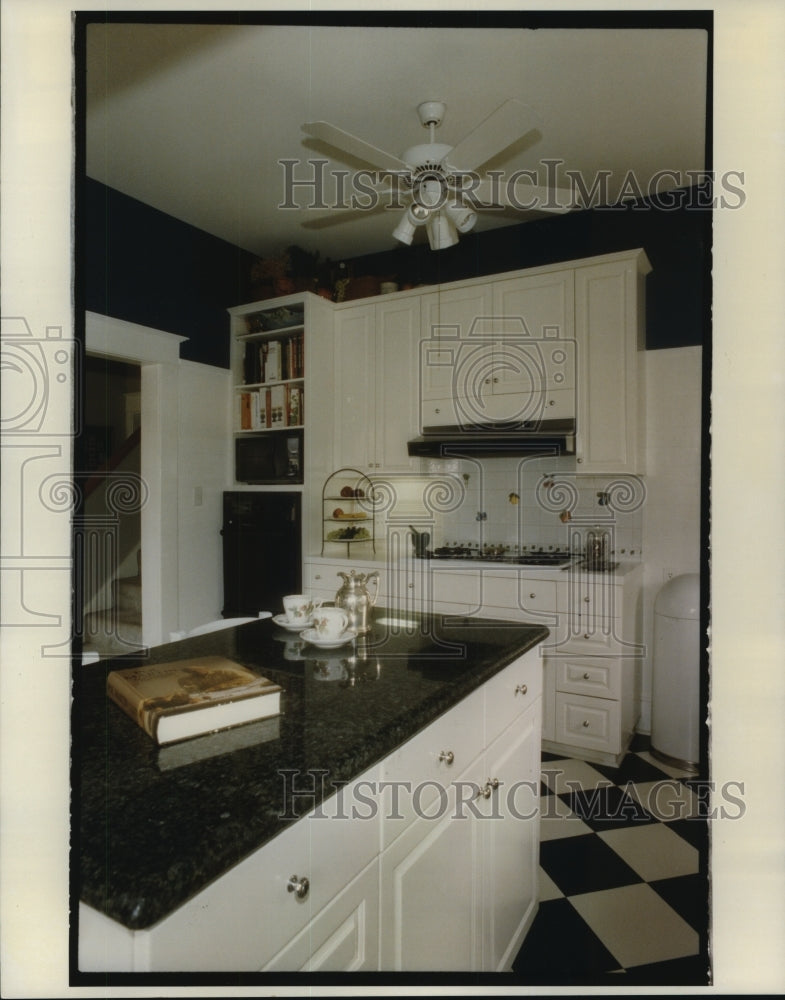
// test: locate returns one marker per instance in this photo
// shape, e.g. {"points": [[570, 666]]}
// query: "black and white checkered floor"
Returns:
{"points": [[623, 875]]}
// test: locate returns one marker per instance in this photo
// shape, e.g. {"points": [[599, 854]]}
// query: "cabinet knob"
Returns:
{"points": [[488, 788], [521, 689], [487, 381], [299, 886], [586, 600], [586, 676], [587, 635], [437, 410], [532, 596], [447, 756], [551, 402], [585, 723], [495, 379], [317, 576], [580, 460], [410, 586]]}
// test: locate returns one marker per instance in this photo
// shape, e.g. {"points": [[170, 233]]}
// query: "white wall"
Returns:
{"points": [[671, 518], [203, 473]]}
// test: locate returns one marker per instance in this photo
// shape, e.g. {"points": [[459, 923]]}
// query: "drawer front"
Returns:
{"points": [[243, 918], [464, 589], [596, 600], [581, 637], [593, 723], [344, 937], [512, 691], [419, 773], [516, 592], [599, 678]]}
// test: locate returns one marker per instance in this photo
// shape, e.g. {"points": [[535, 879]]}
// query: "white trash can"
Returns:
{"points": [[675, 710]]}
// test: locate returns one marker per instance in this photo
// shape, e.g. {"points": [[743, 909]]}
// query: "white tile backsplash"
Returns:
{"points": [[496, 484]]}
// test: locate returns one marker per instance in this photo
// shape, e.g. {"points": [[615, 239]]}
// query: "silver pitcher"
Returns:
{"points": [[354, 598]]}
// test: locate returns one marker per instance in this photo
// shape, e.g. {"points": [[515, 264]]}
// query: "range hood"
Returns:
{"points": [[543, 437]]}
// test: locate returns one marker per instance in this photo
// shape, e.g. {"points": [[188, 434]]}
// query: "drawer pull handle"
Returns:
{"points": [[585, 723], [586, 676], [521, 689], [299, 886], [447, 756], [490, 786]]}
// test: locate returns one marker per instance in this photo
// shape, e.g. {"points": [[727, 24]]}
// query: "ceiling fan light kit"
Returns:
{"points": [[434, 172]]}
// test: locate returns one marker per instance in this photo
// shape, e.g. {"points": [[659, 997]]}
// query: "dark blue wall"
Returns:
{"points": [[141, 265]]}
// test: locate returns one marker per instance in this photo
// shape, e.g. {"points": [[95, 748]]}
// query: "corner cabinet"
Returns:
{"points": [[376, 357], [443, 879]]}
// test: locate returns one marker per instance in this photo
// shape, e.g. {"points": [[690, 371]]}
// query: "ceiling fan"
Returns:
{"points": [[439, 182]]}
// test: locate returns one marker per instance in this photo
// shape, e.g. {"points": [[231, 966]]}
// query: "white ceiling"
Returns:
{"points": [[192, 119]]}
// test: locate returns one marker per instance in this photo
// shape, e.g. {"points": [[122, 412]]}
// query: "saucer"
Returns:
{"points": [[284, 622], [312, 636]]}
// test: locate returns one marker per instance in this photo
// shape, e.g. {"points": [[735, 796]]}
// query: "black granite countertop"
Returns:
{"points": [[151, 829]]}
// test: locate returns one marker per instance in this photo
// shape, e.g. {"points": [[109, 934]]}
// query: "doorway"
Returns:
{"points": [[108, 539]]}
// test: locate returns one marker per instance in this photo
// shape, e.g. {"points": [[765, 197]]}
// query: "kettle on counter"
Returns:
{"points": [[355, 600]]}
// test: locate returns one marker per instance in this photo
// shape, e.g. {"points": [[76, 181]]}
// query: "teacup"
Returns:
{"points": [[299, 608], [330, 623]]}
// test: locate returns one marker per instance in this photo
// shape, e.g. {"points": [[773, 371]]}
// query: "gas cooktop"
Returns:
{"points": [[554, 558]]}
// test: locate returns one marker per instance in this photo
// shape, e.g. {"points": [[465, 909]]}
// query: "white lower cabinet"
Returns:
{"points": [[459, 885], [444, 878], [430, 886]]}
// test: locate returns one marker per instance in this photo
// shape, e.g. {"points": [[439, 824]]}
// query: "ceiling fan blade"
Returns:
{"points": [[388, 200], [499, 130], [355, 147], [520, 195]]}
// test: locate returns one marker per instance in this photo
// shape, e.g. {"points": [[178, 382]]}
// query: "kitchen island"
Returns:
{"points": [[184, 852]]}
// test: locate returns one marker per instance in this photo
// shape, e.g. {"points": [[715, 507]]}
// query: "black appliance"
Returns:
{"points": [[530, 437], [270, 458], [262, 550]]}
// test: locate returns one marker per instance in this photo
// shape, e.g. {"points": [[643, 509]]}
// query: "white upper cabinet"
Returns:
{"points": [[610, 334], [564, 343], [501, 350], [376, 383]]}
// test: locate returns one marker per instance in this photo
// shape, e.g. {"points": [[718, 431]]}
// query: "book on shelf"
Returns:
{"points": [[246, 415], [184, 698], [277, 406], [217, 744], [294, 405], [272, 363]]}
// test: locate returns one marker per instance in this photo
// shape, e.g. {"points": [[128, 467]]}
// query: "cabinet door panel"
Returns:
{"points": [[354, 403], [396, 382], [607, 316], [430, 881], [511, 844]]}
